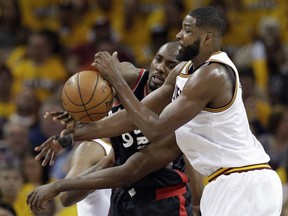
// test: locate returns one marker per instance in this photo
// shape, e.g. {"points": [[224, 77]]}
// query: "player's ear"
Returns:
{"points": [[208, 37]]}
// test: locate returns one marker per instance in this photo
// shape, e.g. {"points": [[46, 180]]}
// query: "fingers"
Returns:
{"points": [[42, 153], [53, 114], [43, 148], [65, 131], [45, 144], [48, 151], [53, 158], [47, 157], [35, 203], [69, 122], [62, 116]]}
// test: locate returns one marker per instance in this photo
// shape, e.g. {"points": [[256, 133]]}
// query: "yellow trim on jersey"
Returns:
{"points": [[227, 171], [220, 109], [215, 53], [185, 73], [105, 141]]}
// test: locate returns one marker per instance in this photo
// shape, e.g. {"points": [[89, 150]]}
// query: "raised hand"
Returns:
{"points": [[49, 149], [63, 117], [108, 65]]}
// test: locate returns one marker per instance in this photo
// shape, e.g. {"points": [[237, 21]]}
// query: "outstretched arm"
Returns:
{"points": [[113, 125], [87, 155], [110, 126], [203, 86], [149, 159]]}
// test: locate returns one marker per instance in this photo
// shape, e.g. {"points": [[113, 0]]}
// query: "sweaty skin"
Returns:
{"points": [[149, 159], [208, 85]]}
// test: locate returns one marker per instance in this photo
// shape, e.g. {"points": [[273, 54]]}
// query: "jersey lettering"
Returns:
{"points": [[127, 140], [177, 92]]}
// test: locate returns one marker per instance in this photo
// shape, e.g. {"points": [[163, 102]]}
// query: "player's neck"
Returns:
{"points": [[201, 58]]}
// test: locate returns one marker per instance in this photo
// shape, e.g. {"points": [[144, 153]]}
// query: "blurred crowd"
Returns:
{"points": [[44, 42]]}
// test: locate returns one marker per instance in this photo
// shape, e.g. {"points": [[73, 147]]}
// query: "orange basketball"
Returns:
{"points": [[87, 96]]}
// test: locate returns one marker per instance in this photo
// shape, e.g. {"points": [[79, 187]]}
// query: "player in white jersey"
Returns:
{"points": [[208, 117], [86, 155], [209, 120]]}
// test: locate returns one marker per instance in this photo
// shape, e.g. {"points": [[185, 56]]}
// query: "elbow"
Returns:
{"points": [[129, 178], [155, 131]]}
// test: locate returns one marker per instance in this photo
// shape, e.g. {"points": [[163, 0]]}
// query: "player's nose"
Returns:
{"points": [[160, 68]]}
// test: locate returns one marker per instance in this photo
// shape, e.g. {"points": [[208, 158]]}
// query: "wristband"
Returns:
{"points": [[65, 141]]}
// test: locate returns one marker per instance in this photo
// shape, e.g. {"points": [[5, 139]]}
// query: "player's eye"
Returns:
{"points": [[158, 58], [171, 66]]}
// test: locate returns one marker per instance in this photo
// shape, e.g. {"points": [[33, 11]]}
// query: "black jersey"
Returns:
{"points": [[129, 143]]}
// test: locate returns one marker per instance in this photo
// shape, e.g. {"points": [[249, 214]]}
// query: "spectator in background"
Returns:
{"points": [[34, 175], [113, 10], [285, 209], [276, 141], [7, 105], [269, 60], [12, 31], [159, 24], [6, 209], [73, 23], [134, 28], [15, 142], [170, 16], [258, 108], [41, 69], [10, 184], [39, 14], [47, 128], [26, 109], [102, 37], [158, 37]]}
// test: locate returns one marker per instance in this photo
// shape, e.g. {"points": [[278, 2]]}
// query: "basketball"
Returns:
{"points": [[87, 96]]}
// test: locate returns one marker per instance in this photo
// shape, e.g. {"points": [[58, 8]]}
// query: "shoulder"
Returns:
{"points": [[215, 72], [88, 146], [129, 72], [90, 150]]}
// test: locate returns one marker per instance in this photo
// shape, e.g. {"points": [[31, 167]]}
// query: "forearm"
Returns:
{"points": [[69, 198], [144, 118], [107, 178], [151, 158], [109, 126]]}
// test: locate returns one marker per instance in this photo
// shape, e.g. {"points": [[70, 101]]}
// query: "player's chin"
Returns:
{"points": [[154, 86]]}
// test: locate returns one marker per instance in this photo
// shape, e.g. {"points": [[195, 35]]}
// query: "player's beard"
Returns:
{"points": [[189, 52]]}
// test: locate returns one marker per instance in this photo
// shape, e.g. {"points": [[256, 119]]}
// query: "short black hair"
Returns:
{"points": [[209, 17]]}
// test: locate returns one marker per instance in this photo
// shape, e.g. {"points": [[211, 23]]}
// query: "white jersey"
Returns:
{"points": [[221, 137], [96, 203]]}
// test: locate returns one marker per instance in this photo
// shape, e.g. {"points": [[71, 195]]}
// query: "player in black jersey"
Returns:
{"points": [[143, 182], [161, 192]]}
